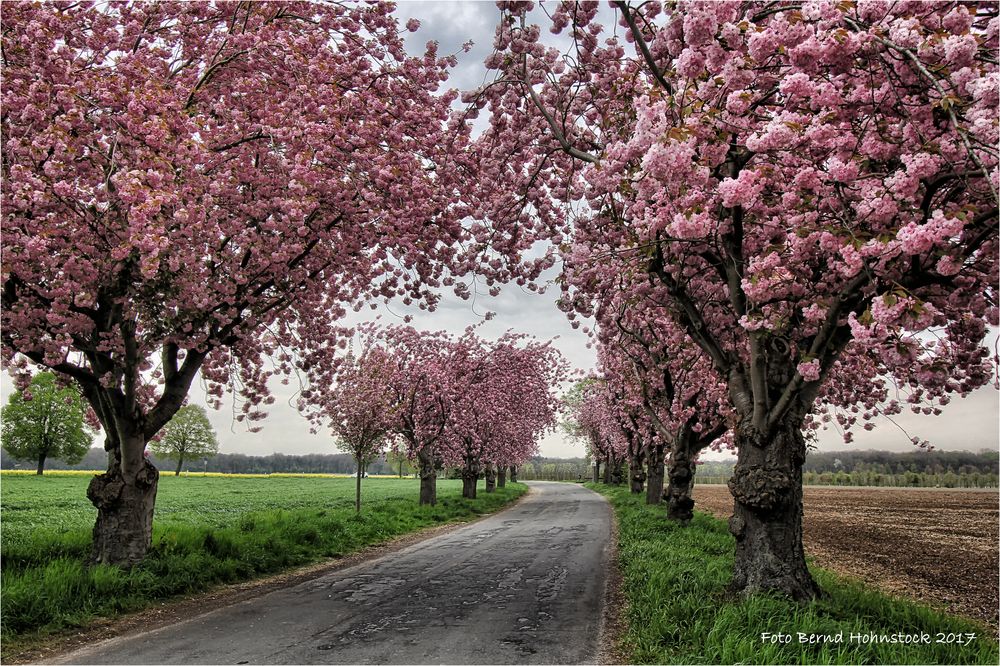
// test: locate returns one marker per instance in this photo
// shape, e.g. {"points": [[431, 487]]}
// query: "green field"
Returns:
{"points": [[207, 530], [678, 610]]}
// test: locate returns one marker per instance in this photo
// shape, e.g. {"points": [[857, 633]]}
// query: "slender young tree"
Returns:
{"points": [[45, 420], [361, 410], [187, 435]]}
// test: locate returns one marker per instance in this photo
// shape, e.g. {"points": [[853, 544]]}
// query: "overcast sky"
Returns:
{"points": [[966, 424]]}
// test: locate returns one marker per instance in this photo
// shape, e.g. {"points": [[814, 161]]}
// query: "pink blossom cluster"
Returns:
{"points": [[445, 400]]}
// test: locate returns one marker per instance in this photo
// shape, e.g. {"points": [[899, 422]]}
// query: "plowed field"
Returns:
{"points": [[937, 546]]}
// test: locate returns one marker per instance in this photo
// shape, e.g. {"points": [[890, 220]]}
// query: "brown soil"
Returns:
{"points": [[936, 546]]}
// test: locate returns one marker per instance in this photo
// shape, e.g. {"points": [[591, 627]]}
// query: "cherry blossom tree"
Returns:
{"points": [[665, 385], [421, 388], [505, 401], [360, 409], [202, 188], [813, 185], [591, 416]]}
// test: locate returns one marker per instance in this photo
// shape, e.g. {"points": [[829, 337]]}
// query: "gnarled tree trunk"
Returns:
{"points": [[470, 477], [502, 476], [636, 472], [513, 474], [767, 519], [428, 476], [680, 475], [654, 476], [124, 496], [491, 477]]}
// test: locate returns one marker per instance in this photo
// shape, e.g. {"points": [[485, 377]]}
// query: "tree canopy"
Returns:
{"points": [[187, 436], [46, 420]]}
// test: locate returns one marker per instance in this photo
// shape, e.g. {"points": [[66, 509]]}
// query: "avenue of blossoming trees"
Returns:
{"points": [[202, 189], [460, 402], [778, 214]]}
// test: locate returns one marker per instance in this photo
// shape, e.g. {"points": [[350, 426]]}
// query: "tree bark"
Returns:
{"points": [[502, 476], [637, 473], [428, 476], [180, 464], [680, 475], [470, 477], [41, 464], [357, 490], [491, 477], [607, 471], [654, 478], [123, 532], [469, 485], [513, 474], [614, 471], [767, 518], [597, 470]]}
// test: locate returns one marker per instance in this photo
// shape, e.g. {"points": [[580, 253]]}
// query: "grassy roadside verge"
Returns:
{"points": [[675, 579], [208, 534]]}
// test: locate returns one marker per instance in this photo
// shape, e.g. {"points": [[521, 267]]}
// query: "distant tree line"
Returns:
{"points": [[236, 463], [541, 468], [923, 469], [946, 469]]}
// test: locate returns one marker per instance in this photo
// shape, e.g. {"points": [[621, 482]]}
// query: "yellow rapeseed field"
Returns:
{"points": [[276, 475]]}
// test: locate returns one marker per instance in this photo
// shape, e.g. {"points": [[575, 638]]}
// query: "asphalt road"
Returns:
{"points": [[522, 586]]}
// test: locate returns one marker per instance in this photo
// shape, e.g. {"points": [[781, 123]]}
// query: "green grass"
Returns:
{"points": [[675, 578], [206, 531]]}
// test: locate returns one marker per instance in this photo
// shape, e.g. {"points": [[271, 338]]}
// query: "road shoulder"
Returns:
{"points": [[614, 623]]}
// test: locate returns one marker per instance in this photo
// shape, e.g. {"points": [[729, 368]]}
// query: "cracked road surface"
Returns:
{"points": [[524, 586]]}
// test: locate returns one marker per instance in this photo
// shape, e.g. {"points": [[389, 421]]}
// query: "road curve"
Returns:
{"points": [[524, 586]]}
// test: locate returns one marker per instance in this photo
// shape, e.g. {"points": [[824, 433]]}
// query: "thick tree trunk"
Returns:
{"points": [[597, 470], [767, 519], [491, 477], [428, 476], [513, 474], [470, 477], [123, 532], [680, 475], [180, 464], [357, 491], [636, 473], [607, 471], [502, 476], [469, 483], [614, 471], [654, 478], [41, 464]]}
